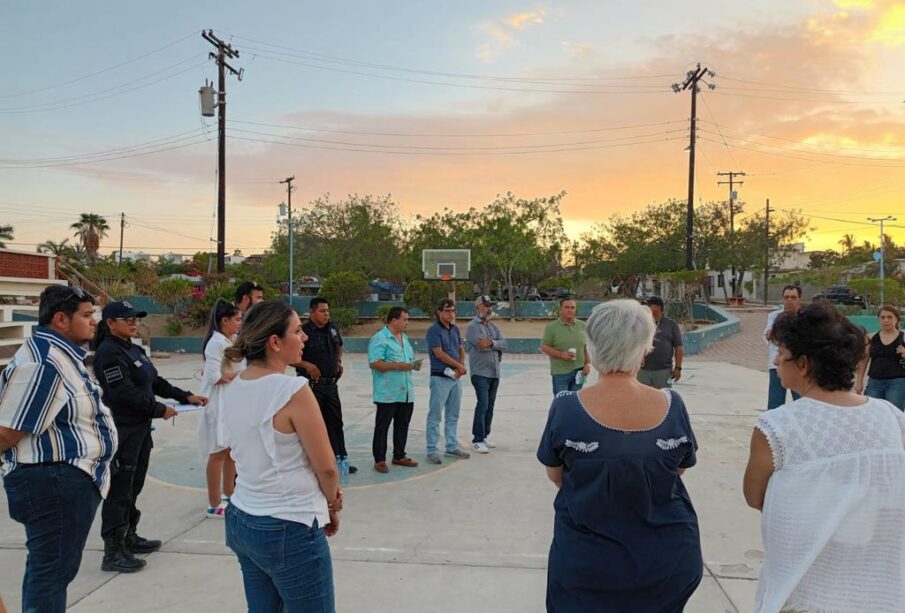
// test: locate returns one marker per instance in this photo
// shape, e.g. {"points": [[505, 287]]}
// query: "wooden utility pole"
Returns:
{"points": [[732, 195], [691, 82], [224, 50], [288, 181], [122, 227], [766, 251]]}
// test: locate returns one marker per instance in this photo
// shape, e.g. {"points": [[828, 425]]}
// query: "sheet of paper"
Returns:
{"points": [[184, 408]]}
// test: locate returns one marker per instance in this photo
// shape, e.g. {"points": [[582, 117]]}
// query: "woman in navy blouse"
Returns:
{"points": [[625, 534]]}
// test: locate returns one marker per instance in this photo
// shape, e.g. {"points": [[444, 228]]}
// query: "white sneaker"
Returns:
{"points": [[489, 442], [480, 448]]}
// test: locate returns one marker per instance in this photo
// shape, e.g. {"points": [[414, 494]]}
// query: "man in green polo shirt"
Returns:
{"points": [[564, 343]]}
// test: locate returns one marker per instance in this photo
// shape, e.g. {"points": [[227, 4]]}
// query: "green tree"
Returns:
{"points": [[344, 289], [360, 234], [90, 229], [60, 249], [423, 295], [6, 234]]}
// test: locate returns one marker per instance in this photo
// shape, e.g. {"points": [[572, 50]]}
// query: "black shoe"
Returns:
{"points": [[118, 559], [139, 544], [353, 470]]}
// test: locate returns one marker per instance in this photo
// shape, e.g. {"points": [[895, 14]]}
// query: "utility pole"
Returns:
{"points": [[691, 82], [224, 50], [288, 181], [882, 252], [767, 251], [732, 195], [122, 227]]}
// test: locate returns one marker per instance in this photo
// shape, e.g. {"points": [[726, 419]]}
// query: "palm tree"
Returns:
{"points": [[76, 252], [6, 234], [90, 229], [848, 243], [57, 249]]}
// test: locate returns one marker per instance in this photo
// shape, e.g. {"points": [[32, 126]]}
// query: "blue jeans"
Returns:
{"points": [[286, 565], [56, 503], [566, 382], [892, 390], [446, 398], [776, 396], [485, 390]]}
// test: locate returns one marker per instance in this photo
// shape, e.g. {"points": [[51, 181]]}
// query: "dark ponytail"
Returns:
{"points": [[221, 309], [102, 332]]}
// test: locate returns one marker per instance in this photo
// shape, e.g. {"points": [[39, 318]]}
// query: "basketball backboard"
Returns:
{"points": [[446, 264]]}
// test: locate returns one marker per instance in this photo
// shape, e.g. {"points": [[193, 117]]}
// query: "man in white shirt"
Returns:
{"points": [[791, 302]]}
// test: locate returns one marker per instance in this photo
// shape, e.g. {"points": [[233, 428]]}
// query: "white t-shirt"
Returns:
{"points": [[834, 514], [275, 477], [209, 428], [772, 348]]}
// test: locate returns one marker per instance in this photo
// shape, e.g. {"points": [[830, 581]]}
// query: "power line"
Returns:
{"points": [[815, 90], [792, 140], [106, 159], [124, 88], [806, 159], [101, 71], [458, 134]]}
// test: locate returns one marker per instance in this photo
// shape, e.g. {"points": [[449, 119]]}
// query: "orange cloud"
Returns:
{"points": [[519, 20]]}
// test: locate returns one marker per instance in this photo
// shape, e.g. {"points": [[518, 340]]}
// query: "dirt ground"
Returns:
{"points": [[520, 328]]}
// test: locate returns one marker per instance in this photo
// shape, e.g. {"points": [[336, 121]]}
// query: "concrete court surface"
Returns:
{"points": [[468, 535]]}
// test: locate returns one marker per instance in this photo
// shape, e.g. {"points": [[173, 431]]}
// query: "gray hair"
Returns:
{"points": [[619, 333]]}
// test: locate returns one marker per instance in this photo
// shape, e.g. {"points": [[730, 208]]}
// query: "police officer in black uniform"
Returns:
{"points": [[130, 383], [322, 363]]}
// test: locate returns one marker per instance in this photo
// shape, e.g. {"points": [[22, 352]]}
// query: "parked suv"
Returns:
{"points": [[841, 294]]}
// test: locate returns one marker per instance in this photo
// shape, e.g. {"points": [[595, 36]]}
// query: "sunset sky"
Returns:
{"points": [[445, 105]]}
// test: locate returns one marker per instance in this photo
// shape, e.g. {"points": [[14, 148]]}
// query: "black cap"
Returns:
{"points": [[654, 300], [120, 310]]}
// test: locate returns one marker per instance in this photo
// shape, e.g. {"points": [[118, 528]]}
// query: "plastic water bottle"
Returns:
{"points": [[449, 372], [579, 378], [342, 465]]}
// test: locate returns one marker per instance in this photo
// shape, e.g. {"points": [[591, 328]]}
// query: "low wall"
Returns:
{"points": [[695, 341]]}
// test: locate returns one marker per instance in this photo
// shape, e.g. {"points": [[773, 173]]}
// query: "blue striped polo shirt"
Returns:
{"points": [[46, 392]]}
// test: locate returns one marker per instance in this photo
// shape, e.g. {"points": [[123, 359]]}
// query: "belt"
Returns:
{"points": [[325, 381]]}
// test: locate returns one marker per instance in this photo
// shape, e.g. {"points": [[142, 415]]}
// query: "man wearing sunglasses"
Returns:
{"points": [[57, 441], [130, 383]]}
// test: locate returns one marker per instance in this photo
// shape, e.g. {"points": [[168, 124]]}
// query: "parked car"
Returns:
{"points": [[841, 294], [556, 294]]}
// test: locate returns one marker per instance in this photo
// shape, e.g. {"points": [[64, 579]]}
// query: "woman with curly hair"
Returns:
{"points": [[828, 473]]}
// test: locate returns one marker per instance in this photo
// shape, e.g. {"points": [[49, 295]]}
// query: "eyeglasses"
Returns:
{"points": [[128, 320], [450, 310]]}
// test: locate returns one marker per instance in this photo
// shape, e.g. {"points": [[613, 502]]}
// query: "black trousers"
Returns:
{"points": [[328, 400], [399, 414], [128, 471]]}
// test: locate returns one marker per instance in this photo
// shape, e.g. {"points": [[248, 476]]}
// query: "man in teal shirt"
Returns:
{"points": [[392, 360], [564, 343]]}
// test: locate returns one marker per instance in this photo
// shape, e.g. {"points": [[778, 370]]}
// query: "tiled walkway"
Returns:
{"points": [[747, 348]]}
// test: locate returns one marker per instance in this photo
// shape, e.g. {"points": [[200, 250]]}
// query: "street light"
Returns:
{"points": [[881, 220], [287, 213]]}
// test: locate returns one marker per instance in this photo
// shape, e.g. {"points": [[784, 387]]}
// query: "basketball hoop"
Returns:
{"points": [[446, 277]]}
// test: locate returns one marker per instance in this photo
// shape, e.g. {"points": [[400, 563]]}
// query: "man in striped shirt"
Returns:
{"points": [[57, 440]]}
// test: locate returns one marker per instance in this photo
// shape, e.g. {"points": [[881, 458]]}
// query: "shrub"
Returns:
{"points": [[344, 317], [383, 310], [423, 295], [173, 294], [174, 325], [200, 310], [344, 289]]}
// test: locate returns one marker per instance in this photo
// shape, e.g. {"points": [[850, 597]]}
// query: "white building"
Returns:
{"points": [[136, 256], [174, 258]]}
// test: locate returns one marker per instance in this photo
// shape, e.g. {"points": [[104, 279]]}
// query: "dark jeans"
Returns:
{"points": [[56, 503], [777, 394], [286, 565], [399, 414], [892, 390], [566, 382], [485, 389], [328, 400], [129, 468]]}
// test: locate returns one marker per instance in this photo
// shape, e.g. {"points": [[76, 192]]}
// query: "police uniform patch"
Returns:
{"points": [[111, 375], [137, 363]]}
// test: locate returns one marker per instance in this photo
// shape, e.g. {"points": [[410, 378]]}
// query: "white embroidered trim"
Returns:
{"points": [[671, 443], [582, 446]]}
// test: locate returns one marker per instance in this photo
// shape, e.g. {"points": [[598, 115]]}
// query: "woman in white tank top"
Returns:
{"points": [[828, 472], [287, 497]]}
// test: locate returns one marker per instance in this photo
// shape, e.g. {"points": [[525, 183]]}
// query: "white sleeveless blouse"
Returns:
{"points": [[834, 514], [275, 477]]}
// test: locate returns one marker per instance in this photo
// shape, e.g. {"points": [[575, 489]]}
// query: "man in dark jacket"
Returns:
{"points": [[130, 383]]}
